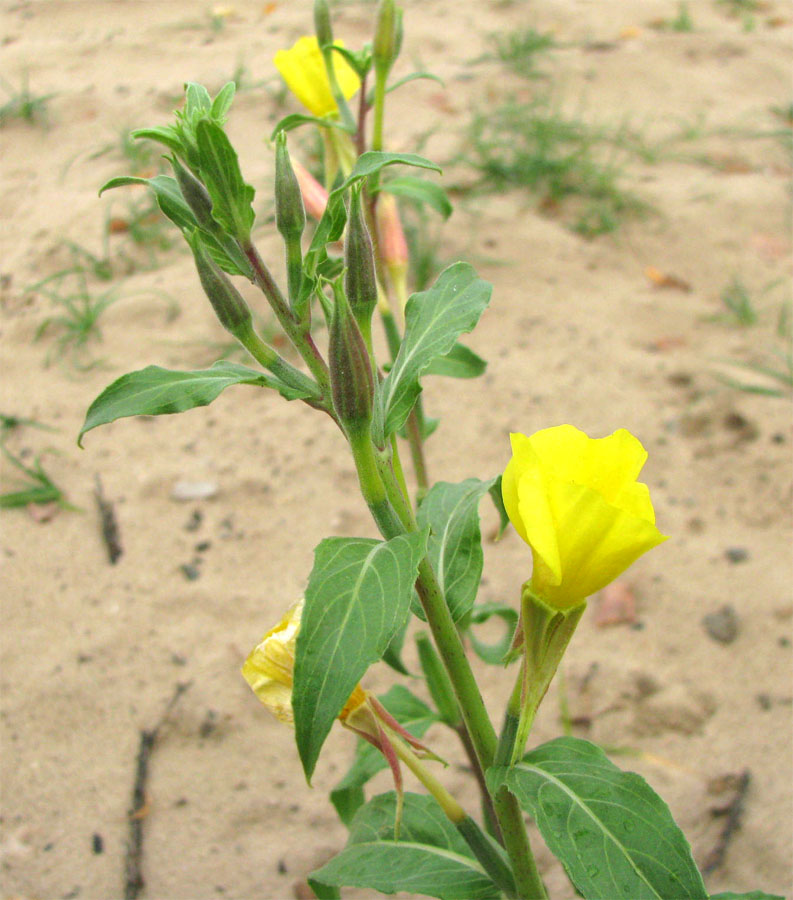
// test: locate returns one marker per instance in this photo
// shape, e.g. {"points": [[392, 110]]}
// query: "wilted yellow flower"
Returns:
{"points": [[269, 667], [576, 502], [303, 69]]}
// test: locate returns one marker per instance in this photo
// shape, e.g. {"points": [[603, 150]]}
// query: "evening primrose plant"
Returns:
{"points": [[576, 501]]}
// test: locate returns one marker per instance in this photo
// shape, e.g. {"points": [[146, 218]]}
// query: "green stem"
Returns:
{"points": [[380, 78], [380, 495], [341, 102], [516, 841], [269, 359], [297, 332]]}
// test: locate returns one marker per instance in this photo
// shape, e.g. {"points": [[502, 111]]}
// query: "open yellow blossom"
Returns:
{"points": [[576, 502], [270, 665], [303, 69]]}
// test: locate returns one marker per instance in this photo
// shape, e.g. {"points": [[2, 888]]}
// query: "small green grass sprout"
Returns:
{"points": [[23, 105], [37, 487]]}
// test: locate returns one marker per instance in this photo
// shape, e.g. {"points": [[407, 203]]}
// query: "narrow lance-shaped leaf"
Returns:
{"points": [[420, 191], [414, 715], [166, 191], [751, 895], [372, 161], [614, 835], [220, 171], [459, 362], [429, 858], [434, 319], [451, 511], [357, 598], [155, 391]]}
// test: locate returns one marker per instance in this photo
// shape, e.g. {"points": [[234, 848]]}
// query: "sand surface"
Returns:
{"points": [[577, 332]]}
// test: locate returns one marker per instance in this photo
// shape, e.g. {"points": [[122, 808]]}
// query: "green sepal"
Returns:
{"points": [[414, 715]]}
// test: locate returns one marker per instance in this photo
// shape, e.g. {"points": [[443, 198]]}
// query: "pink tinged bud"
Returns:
{"points": [[393, 246], [315, 197]]}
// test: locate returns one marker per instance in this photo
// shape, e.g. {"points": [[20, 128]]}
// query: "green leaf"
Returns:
{"points": [[166, 192], [154, 391], [372, 161], [498, 501], [393, 652], [295, 120], [451, 511], [752, 895], [220, 172], [494, 653], [414, 715], [222, 103], [162, 134], [413, 77], [421, 192], [459, 362], [430, 857], [434, 320], [357, 599], [614, 835], [197, 100]]}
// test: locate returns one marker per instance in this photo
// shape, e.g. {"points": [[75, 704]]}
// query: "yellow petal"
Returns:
{"points": [[303, 69], [576, 502], [597, 542]]}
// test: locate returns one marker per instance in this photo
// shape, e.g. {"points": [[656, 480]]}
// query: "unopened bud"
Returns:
{"points": [[393, 246], [230, 307], [351, 379], [195, 195], [386, 35], [322, 24], [290, 216], [315, 197], [360, 281]]}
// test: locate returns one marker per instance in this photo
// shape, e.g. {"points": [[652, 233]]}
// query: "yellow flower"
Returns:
{"points": [[576, 502], [269, 667], [303, 69]]}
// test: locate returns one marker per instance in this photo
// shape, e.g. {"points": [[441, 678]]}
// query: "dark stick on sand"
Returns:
{"points": [[133, 864]]}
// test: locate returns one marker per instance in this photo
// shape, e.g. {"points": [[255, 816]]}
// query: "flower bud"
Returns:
{"points": [[315, 197], [195, 194], [322, 24], [351, 379], [360, 281], [290, 215], [231, 309], [387, 35]]}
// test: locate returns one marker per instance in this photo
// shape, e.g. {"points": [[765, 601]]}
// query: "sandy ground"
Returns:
{"points": [[577, 332]]}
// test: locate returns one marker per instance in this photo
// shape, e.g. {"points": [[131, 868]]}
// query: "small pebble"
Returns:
{"points": [[722, 625], [190, 571], [763, 701], [97, 844], [185, 491], [736, 554], [203, 546], [195, 520]]}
